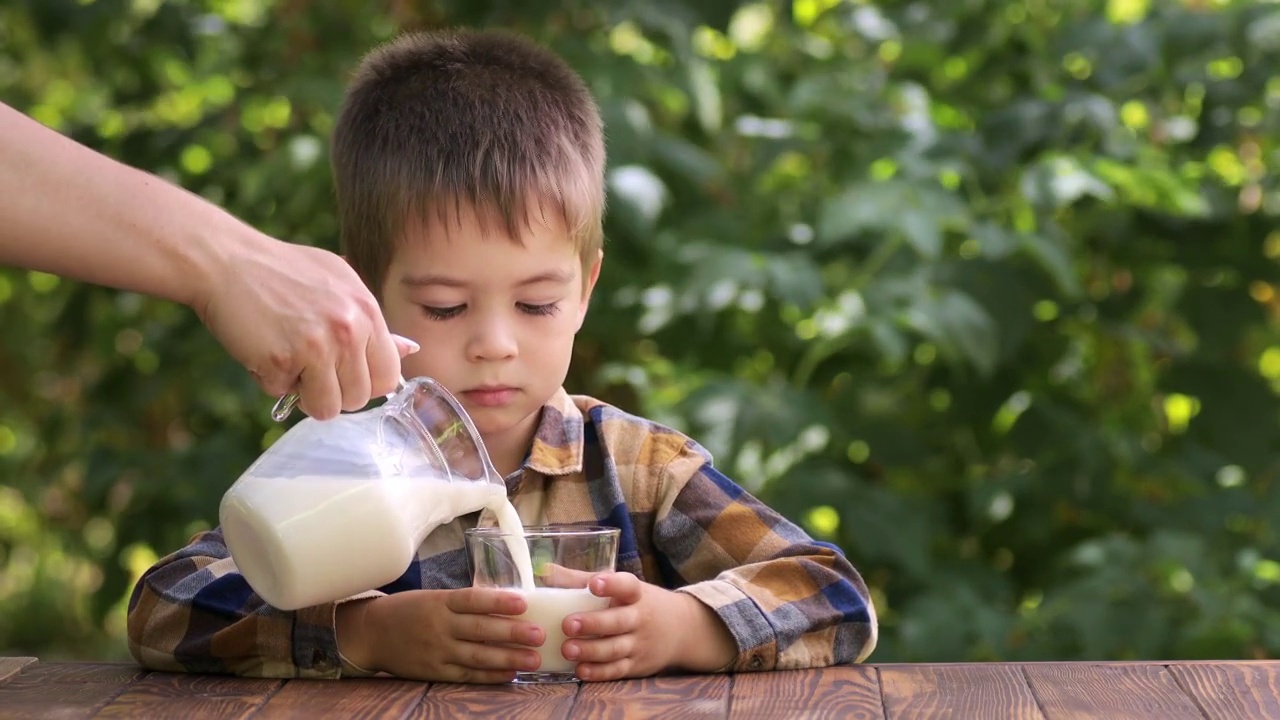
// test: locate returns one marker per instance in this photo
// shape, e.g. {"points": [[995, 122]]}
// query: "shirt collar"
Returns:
{"points": [[557, 445]]}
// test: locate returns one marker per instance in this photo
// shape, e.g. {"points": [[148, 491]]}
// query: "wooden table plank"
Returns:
{"points": [[1133, 692], [673, 697], [384, 698], [173, 695], [1232, 691], [10, 666], [943, 691], [64, 690], [836, 693], [446, 701]]}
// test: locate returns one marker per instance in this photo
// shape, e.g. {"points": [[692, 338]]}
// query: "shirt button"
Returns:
{"points": [[756, 663]]}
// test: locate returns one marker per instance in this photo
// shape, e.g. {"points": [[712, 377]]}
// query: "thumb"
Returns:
{"points": [[624, 588]]}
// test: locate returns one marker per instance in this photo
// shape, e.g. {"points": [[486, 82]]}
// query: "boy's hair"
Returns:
{"points": [[434, 122]]}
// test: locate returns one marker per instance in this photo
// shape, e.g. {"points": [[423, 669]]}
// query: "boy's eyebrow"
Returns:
{"points": [[556, 276], [422, 280]]}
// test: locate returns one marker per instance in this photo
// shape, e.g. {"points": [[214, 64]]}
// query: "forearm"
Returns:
{"points": [[706, 645], [194, 612], [819, 624], [356, 643], [68, 210]]}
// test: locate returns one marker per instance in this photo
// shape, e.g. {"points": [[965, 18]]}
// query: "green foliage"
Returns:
{"points": [[983, 291]]}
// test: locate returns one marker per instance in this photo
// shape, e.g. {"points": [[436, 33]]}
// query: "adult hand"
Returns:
{"points": [[297, 317], [300, 320]]}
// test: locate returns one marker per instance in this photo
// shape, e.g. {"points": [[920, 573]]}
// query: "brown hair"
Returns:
{"points": [[433, 121]]}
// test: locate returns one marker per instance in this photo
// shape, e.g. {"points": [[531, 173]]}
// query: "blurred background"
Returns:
{"points": [[985, 291]]}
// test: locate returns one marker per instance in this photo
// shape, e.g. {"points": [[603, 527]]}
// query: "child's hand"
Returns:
{"points": [[440, 635], [646, 630]]}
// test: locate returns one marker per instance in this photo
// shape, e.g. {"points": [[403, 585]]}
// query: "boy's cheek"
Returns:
{"points": [[420, 364]]}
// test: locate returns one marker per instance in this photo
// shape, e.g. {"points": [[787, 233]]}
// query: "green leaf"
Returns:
{"points": [[918, 212], [1049, 251], [959, 325]]}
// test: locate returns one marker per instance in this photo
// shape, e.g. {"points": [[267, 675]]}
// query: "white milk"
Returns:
{"points": [[513, 536], [548, 607], [308, 540]]}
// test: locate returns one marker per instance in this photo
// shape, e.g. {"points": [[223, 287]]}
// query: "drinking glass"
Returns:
{"points": [[564, 559]]}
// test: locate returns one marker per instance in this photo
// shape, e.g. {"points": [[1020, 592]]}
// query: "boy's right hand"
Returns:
{"points": [[440, 635]]}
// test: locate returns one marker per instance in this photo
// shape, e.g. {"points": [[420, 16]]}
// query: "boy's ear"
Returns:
{"points": [[589, 285]]}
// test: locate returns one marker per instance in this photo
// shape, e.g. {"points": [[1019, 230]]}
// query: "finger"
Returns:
{"points": [[383, 354], [275, 382], [600, 650], [491, 628], [353, 377], [319, 393], [623, 587], [598, 672], [613, 621], [405, 346], [478, 656], [486, 601]]}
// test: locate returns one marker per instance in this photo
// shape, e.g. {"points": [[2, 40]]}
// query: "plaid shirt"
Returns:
{"points": [[788, 601]]}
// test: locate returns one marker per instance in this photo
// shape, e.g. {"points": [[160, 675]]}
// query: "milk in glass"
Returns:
{"points": [[547, 608]]}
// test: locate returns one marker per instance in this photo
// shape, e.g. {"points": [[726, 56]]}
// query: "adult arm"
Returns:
{"points": [[297, 317]]}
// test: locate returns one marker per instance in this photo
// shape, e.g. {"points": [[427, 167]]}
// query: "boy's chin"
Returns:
{"points": [[496, 420]]}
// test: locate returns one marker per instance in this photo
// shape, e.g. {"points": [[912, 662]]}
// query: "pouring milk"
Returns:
{"points": [[338, 507], [307, 540]]}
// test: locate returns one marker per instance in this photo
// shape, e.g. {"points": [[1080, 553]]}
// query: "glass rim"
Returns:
{"points": [[545, 531]]}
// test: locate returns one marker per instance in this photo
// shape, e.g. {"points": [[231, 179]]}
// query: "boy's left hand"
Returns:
{"points": [[639, 633]]}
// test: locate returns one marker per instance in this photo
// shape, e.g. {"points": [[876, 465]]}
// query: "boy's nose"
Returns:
{"points": [[493, 341]]}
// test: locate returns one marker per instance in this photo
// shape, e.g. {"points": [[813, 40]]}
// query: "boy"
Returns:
{"points": [[469, 170]]}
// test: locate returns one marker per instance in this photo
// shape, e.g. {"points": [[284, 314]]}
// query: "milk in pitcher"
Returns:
{"points": [[308, 540]]}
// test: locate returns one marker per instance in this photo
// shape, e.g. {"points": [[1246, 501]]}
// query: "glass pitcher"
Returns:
{"points": [[337, 507]]}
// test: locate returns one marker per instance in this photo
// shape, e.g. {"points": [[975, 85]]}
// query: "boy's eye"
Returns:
{"points": [[548, 309], [443, 313]]}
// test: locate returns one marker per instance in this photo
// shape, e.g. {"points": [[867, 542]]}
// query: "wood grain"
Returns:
{"points": [[12, 666], [672, 697], [446, 701], [835, 693], [174, 695], [350, 699], [1133, 692], [943, 691], [1232, 691], [64, 690]]}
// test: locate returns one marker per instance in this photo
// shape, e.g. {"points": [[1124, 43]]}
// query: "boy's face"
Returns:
{"points": [[496, 319]]}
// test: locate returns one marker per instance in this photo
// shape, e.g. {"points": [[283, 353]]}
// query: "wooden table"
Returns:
{"points": [[1167, 691]]}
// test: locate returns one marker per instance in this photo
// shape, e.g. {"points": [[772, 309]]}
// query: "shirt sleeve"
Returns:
{"points": [[194, 612], [788, 600]]}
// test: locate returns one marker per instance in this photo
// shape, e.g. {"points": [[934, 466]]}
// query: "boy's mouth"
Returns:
{"points": [[490, 395]]}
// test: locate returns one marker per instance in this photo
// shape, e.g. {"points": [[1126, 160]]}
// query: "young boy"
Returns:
{"points": [[470, 179]]}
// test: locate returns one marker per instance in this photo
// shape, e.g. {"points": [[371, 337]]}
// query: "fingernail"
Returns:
{"points": [[597, 585], [409, 346], [574, 626], [570, 651], [532, 662]]}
